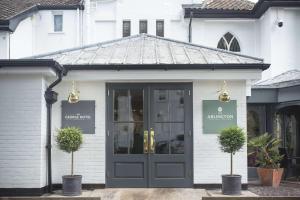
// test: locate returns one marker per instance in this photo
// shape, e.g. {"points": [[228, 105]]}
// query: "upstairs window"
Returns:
{"points": [[143, 26], [126, 28], [160, 28], [58, 22], [229, 42]]}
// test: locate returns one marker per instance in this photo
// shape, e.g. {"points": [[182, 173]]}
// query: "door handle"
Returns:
{"points": [[146, 144], [152, 141]]}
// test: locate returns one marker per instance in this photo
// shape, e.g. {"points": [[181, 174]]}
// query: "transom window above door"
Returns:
{"points": [[229, 42]]}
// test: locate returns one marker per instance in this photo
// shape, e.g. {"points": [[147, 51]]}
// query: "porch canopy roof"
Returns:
{"points": [[151, 52]]}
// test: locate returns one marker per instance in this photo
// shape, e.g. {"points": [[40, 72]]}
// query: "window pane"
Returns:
{"points": [[228, 37], [160, 28], [128, 105], [222, 44], [58, 23], [169, 138], [177, 138], [169, 106], [128, 138], [162, 137], [143, 26], [168, 113], [126, 28], [161, 108], [176, 104], [235, 47]]}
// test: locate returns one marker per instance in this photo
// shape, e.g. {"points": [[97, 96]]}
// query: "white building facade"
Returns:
{"points": [[134, 83], [161, 83], [95, 21]]}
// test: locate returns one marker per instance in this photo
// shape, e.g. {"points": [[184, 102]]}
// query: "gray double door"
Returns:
{"points": [[149, 135]]}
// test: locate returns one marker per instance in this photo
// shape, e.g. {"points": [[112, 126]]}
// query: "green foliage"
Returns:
{"points": [[232, 139], [266, 149], [69, 139]]}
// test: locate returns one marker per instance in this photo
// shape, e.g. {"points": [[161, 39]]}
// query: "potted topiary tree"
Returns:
{"points": [[69, 140], [231, 140], [268, 159]]}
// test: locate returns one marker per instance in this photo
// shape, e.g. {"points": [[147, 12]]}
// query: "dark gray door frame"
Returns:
{"points": [[148, 159]]}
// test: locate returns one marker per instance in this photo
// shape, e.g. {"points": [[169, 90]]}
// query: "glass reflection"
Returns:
{"points": [[168, 115], [169, 105], [128, 121], [128, 105]]}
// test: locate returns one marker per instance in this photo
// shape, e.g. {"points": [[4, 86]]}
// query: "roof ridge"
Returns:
{"points": [[82, 47], [144, 35]]}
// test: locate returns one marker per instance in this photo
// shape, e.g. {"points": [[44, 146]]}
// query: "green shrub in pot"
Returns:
{"points": [[268, 158], [231, 139], [69, 140]]}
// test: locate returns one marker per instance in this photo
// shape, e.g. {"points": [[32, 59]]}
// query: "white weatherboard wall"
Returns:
{"points": [[22, 131], [90, 159], [209, 162], [4, 44]]}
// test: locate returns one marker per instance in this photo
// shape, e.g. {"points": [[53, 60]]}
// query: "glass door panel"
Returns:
{"points": [[168, 112], [128, 123]]}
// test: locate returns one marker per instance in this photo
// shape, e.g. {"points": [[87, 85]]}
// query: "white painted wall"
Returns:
{"points": [[209, 31], [35, 35], [280, 46], [209, 162], [90, 159], [4, 45], [23, 123], [22, 40], [46, 40], [22, 131]]}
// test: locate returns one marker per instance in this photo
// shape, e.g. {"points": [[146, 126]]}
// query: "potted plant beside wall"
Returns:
{"points": [[268, 159], [231, 140], [69, 140]]}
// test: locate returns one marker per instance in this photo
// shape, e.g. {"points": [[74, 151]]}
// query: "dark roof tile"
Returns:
{"points": [[11, 8], [223, 5]]}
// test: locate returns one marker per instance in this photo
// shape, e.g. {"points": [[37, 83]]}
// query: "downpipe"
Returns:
{"points": [[51, 98], [190, 27]]}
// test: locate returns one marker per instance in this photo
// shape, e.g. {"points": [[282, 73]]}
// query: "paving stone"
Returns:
{"points": [[143, 194]]}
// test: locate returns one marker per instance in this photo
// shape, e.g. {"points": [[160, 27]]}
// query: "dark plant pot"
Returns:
{"points": [[72, 185], [231, 184]]}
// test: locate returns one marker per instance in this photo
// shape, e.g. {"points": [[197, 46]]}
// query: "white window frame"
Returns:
{"points": [[57, 13], [228, 45]]}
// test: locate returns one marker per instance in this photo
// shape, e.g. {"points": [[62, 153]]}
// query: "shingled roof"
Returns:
{"points": [[222, 5], [286, 79], [12, 8], [234, 8], [146, 49]]}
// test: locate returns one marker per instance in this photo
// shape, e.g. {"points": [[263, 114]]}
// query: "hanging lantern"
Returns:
{"points": [[74, 94], [224, 94]]}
